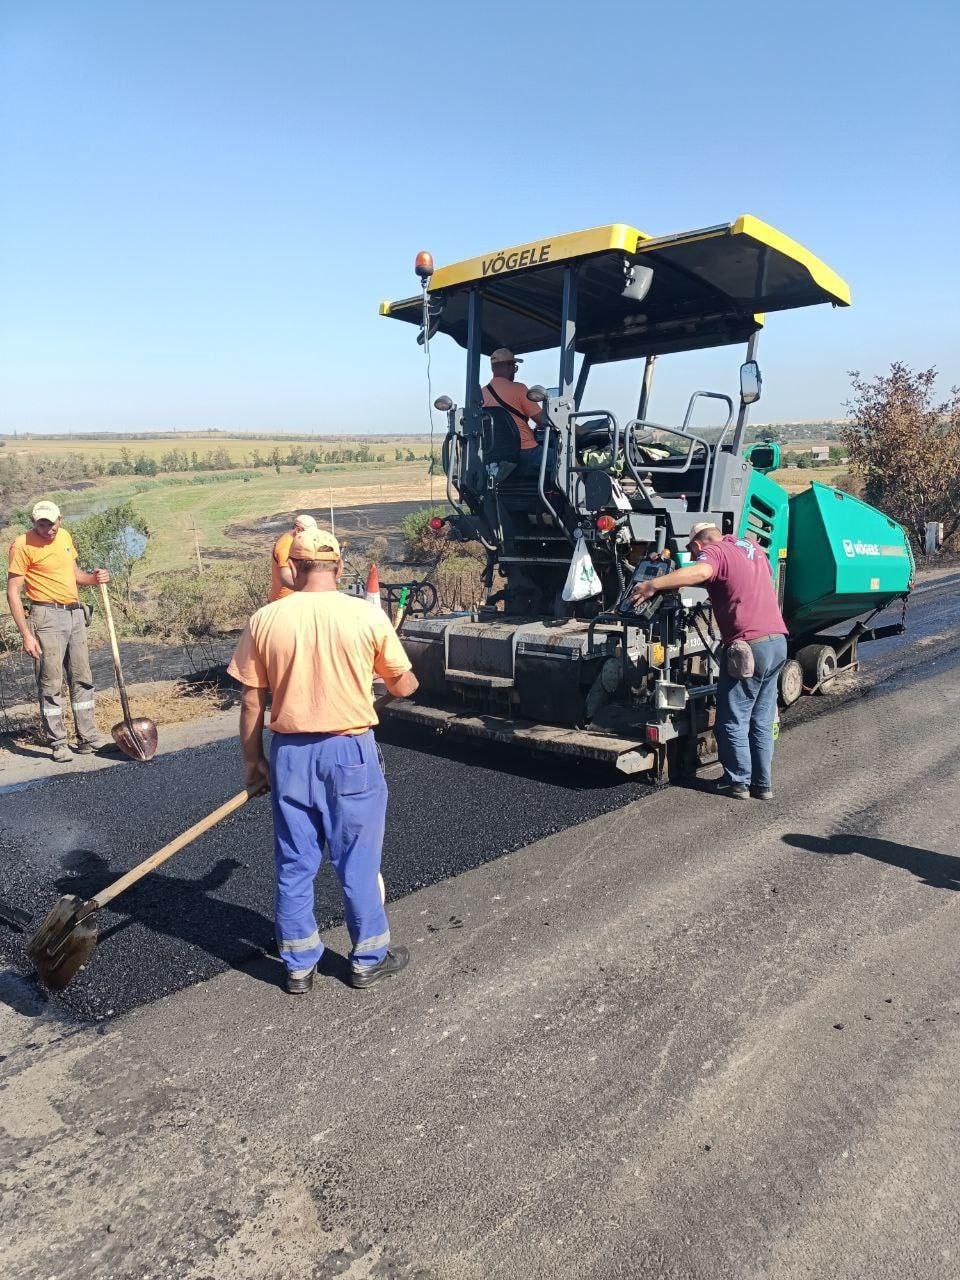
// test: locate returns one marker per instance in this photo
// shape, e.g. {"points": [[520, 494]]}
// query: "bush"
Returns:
{"points": [[459, 582], [376, 550], [906, 445], [421, 543], [192, 606], [114, 539]]}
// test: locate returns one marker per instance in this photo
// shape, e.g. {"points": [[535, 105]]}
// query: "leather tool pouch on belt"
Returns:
{"points": [[740, 662], [87, 613]]}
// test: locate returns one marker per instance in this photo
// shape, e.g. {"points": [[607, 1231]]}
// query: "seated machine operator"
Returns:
{"points": [[505, 392]]}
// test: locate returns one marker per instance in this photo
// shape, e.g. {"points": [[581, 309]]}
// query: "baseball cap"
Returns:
{"points": [[503, 356], [700, 528], [46, 511], [314, 544], [305, 522]]}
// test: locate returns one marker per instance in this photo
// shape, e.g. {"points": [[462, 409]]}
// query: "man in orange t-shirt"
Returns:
{"points": [[281, 575], [44, 560], [505, 391], [317, 651]]}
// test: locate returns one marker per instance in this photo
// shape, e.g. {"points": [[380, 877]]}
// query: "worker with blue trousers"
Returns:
{"points": [[316, 652], [737, 577]]}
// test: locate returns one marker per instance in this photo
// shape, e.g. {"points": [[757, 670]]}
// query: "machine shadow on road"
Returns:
{"points": [[939, 870]]}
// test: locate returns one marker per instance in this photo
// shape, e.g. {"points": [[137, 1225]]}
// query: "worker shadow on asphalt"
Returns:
{"points": [[185, 909], [939, 870]]}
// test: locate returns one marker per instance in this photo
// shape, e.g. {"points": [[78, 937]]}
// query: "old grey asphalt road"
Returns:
{"points": [[690, 1038]]}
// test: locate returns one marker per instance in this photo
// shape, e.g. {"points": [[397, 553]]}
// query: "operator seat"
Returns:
{"points": [[499, 436]]}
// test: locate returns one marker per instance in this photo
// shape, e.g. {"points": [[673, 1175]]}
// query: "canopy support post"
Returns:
{"points": [[645, 387], [471, 397], [744, 412], [568, 331], [581, 386]]}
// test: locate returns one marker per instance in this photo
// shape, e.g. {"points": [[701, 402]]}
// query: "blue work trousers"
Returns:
{"points": [[746, 711], [328, 788]]}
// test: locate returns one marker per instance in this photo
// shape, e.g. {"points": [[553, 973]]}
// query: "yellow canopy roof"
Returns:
{"points": [[708, 287]]}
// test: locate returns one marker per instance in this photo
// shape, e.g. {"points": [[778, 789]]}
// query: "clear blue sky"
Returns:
{"points": [[204, 201]]}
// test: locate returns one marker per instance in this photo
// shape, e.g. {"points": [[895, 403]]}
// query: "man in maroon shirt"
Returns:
{"points": [[736, 574]]}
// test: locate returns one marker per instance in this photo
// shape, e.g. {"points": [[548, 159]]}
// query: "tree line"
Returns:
{"points": [[23, 474]]}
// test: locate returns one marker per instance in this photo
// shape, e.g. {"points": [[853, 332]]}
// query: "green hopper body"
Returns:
{"points": [[844, 558]]}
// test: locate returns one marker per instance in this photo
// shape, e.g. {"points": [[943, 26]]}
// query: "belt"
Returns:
{"points": [[53, 604], [773, 636]]}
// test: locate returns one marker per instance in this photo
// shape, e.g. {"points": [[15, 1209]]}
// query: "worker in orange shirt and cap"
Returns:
{"points": [[281, 576], [44, 560], [316, 653]]}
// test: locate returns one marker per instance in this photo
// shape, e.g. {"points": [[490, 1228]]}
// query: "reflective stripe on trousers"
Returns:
{"points": [[62, 634], [328, 788]]}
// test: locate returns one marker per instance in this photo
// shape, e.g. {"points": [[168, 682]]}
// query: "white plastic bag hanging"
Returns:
{"points": [[582, 581]]}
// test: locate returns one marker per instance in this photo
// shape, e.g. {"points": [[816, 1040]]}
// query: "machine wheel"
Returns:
{"points": [[790, 682], [818, 663]]}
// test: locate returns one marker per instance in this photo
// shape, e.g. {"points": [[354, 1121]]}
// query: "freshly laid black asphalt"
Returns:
{"points": [[210, 908]]}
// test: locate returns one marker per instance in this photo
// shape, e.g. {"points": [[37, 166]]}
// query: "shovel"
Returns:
{"points": [[68, 935], [135, 738]]}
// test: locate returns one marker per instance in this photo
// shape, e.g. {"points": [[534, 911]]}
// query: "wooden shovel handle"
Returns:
{"points": [[115, 650], [192, 833]]}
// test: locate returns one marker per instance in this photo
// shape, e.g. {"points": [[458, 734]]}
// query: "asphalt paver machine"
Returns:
{"points": [[595, 679]]}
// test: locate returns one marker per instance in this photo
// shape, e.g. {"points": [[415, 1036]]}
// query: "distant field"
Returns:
{"points": [[237, 447], [227, 509], [228, 502], [796, 479]]}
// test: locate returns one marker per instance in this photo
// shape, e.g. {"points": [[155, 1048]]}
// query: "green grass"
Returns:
{"points": [[172, 509]]}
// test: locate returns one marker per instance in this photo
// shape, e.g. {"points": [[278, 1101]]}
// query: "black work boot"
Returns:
{"points": [[300, 981], [397, 958], [735, 790], [761, 793]]}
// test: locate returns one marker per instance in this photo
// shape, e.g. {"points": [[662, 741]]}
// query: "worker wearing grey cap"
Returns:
{"points": [[45, 561], [739, 582]]}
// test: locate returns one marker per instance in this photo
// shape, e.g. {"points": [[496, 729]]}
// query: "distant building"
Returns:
{"points": [[820, 453]]}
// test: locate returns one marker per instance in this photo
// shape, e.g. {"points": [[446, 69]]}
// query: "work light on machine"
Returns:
{"points": [[443, 403], [536, 393], [423, 266], [436, 523], [605, 524]]}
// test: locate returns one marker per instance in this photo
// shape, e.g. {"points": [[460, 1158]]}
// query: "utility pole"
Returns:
{"points": [[332, 529], [196, 543]]}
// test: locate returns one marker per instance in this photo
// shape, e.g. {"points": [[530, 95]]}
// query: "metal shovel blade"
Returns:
{"points": [[136, 738], [63, 944]]}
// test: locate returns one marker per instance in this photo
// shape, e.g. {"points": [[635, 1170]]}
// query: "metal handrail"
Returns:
{"points": [[666, 470], [708, 395], [599, 413], [452, 436], [541, 480]]}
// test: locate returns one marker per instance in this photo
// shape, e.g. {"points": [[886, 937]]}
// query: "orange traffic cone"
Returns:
{"points": [[372, 592]]}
